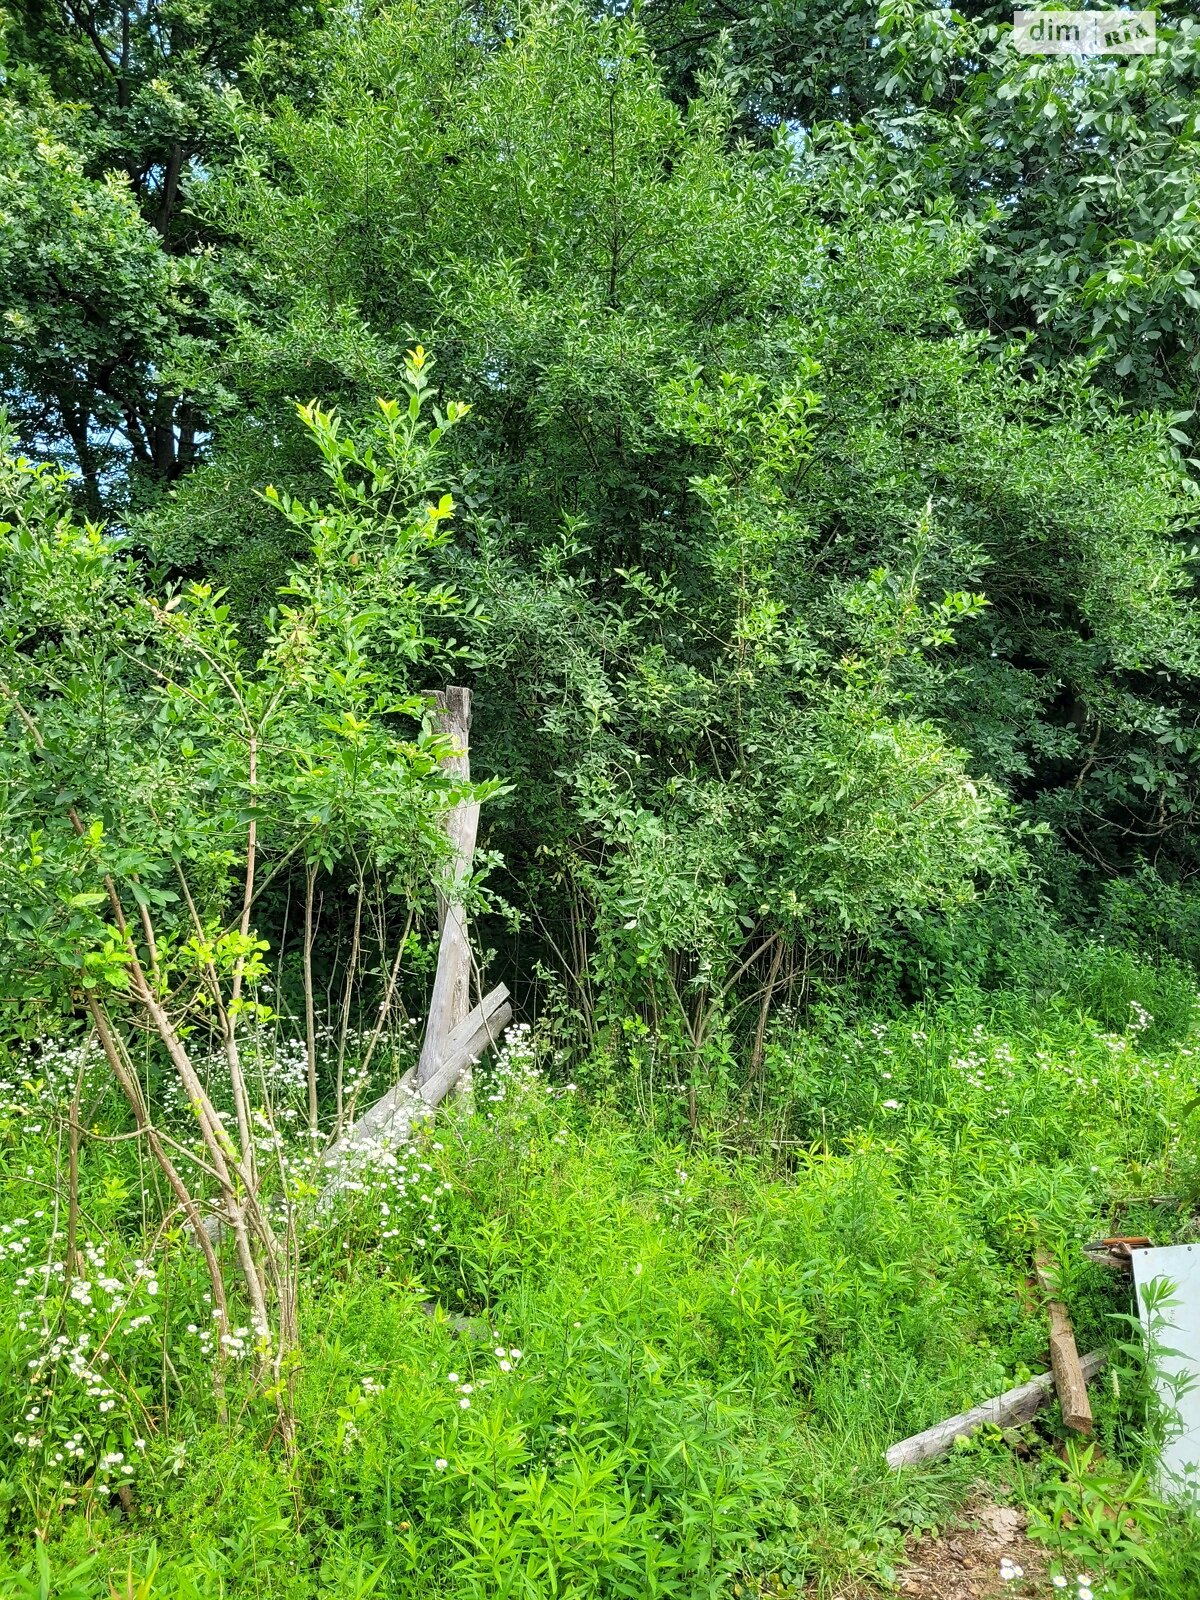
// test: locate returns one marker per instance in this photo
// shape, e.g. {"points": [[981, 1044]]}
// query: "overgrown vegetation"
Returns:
{"points": [[782, 424], [683, 1361]]}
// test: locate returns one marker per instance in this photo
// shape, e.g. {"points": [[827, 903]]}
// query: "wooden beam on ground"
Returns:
{"points": [[1007, 1410], [1069, 1381], [450, 999]]}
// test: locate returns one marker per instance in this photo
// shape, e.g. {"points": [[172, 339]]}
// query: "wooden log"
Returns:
{"points": [[1007, 1410], [393, 1118], [480, 1030], [1069, 1382], [449, 1001]]}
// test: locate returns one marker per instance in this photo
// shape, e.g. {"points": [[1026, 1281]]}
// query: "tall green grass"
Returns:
{"points": [[680, 1364]]}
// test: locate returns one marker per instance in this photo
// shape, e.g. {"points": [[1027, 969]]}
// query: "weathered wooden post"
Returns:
{"points": [[1069, 1380], [450, 1000], [455, 1034]]}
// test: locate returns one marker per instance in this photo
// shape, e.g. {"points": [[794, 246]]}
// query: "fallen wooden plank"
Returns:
{"points": [[1069, 1382], [480, 1031], [1007, 1410]]}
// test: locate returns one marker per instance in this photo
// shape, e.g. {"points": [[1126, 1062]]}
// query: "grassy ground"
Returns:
{"points": [[684, 1362]]}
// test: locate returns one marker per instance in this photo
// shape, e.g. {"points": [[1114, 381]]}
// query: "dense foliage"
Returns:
{"points": [[113, 115], [781, 417], [680, 1363], [736, 465]]}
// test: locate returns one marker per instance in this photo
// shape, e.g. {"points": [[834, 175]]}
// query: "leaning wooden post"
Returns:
{"points": [[449, 1003], [1069, 1381]]}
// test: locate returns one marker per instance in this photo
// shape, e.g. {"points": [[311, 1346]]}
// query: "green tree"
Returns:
{"points": [[156, 778], [583, 247], [111, 115], [730, 411], [1080, 176]]}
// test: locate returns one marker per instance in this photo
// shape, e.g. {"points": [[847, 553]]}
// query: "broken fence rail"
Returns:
{"points": [[1007, 1410], [392, 1119]]}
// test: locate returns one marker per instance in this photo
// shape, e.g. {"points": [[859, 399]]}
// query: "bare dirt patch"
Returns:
{"points": [[964, 1562]]}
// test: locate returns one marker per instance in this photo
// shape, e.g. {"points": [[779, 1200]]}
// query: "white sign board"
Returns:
{"points": [[1179, 1265]]}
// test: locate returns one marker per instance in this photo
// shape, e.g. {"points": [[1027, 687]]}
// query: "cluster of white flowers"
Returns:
{"points": [[40, 1079], [1085, 1585], [994, 1071], [982, 1064], [988, 1070], [1141, 1019], [399, 1178], [403, 1047], [13, 1243], [93, 1288], [76, 1410], [515, 1071], [507, 1359], [204, 1335], [275, 1065], [79, 1414], [237, 1343], [276, 1068], [391, 1166]]}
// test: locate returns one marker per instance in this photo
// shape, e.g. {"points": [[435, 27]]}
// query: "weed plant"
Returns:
{"points": [[554, 1350]]}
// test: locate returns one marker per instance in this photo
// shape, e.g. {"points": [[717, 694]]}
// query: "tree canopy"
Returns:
{"points": [[823, 512]]}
